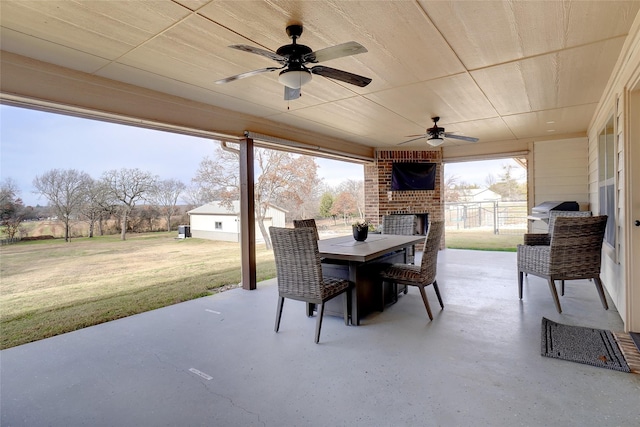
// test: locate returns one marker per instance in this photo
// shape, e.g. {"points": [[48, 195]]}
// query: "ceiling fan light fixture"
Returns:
{"points": [[435, 141], [294, 79]]}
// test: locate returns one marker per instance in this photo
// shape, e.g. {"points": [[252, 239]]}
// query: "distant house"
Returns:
{"points": [[215, 221], [482, 195]]}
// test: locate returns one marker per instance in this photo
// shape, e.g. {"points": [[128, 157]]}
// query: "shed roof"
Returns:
{"points": [[218, 208]]}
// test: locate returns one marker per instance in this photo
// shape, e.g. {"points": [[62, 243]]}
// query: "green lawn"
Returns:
{"points": [[53, 287], [483, 240]]}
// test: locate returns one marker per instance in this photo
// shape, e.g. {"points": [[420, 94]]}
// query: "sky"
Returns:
{"points": [[33, 142]]}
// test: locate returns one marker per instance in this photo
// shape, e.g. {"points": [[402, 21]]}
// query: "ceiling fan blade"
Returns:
{"points": [[414, 139], [333, 52], [262, 52], [421, 135], [247, 74], [463, 138], [290, 93], [343, 76]]}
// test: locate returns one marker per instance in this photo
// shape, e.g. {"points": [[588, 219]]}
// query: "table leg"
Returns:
{"points": [[355, 316]]}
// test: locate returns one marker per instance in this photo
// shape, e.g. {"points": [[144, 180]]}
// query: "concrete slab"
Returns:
{"points": [[216, 361]]}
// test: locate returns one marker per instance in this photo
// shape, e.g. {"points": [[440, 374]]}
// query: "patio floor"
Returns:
{"points": [[216, 361]]}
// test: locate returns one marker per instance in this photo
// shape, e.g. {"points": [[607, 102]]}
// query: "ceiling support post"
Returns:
{"points": [[247, 216]]}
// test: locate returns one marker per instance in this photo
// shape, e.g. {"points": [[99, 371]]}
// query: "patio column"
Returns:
{"points": [[247, 216]]}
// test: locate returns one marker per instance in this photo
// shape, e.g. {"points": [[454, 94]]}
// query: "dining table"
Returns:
{"points": [[360, 263]]}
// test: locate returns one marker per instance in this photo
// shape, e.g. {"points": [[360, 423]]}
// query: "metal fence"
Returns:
{"points": [[498, 217]]}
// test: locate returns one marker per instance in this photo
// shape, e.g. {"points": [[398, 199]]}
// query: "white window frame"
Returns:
{"points": [[607, 188]]}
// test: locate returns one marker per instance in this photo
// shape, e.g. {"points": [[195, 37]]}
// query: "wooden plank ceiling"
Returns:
{"points": [[496, 70]]}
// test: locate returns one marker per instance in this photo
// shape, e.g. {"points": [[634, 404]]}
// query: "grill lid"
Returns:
{"points": [[541, 211]]}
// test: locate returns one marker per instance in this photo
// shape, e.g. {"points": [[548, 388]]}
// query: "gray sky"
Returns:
{"points": [[33, 142]]}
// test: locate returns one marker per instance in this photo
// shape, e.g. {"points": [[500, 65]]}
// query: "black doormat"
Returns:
{"points": [[596, 347], [636, 339]]}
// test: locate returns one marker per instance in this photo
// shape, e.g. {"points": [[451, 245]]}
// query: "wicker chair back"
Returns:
{"points": [[553, 215], [399, 224], [429, 262], [311, 223], [297, 260], [576, 247]]}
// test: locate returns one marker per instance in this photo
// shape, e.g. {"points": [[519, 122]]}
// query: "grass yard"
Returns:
{"points": [[53, 287], [50, 287], [482, 240]]}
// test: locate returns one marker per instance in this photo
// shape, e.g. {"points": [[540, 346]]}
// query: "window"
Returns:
{"points": [[606, 179], [218, 225]]}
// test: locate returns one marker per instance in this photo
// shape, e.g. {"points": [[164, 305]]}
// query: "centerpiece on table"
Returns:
{"points": [[361, 230]]}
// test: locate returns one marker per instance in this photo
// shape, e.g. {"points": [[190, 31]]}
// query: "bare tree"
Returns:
{"points": [[98, 205], [280, 176], [217, 177], [128, 186], [12, 210], [450, 188], [165, 195], [66, 191], [195, 195]]}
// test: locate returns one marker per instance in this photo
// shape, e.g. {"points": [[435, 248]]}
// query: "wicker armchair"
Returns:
{"points": [[299, 273], [574, 253], [543, 239], [311, 223], [424, 274]]}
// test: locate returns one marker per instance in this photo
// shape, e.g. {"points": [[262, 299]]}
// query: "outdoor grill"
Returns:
{"points": [[542, 211]]}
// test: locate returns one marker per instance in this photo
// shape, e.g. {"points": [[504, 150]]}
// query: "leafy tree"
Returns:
{"points": [[300, 195], [460, 192], [66, 191], [507, 186], [344, 205], [128, 187], [326, 203], [356, 190], [12, 209], [165, 195]]}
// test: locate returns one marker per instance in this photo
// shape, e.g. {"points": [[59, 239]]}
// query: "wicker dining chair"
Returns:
{"points": [[575, 252], [424, 274], [301, 223], [543, 239], [401, 224], [299, 273]]}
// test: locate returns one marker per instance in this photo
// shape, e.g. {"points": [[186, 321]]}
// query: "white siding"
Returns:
{"points": [[561, 170], [203, 224], [561, 173], [204, 227], [614, 102]]}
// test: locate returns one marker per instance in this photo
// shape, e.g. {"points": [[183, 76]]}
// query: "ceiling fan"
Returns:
{"points": [[294, 58], [436, 135]]}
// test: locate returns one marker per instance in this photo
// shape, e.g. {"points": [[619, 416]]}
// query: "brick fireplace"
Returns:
{"points": [[380, 200]]}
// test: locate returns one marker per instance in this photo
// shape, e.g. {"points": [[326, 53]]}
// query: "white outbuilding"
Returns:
{"points": [[216, 221]]}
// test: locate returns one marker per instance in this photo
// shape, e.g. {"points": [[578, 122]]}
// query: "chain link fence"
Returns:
{"points": [[497, 217]]}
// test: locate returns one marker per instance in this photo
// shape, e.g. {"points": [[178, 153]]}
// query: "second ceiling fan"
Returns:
{"points": [[293, 59], [436, 135]]}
